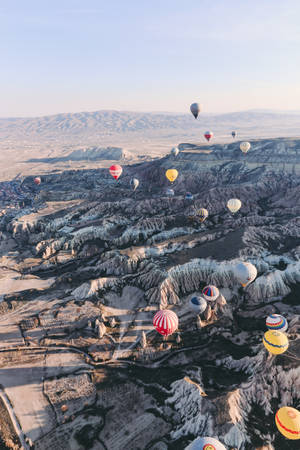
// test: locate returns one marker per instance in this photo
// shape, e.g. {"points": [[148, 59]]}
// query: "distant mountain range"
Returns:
{"points": [[111, 122]]}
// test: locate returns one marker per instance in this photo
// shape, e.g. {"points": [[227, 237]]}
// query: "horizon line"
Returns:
{"points": [[252, 110]]}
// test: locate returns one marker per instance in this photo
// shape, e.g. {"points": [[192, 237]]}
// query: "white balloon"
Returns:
{"points": [[175, 151], [234, 204], [205, 443], [245, 272]]}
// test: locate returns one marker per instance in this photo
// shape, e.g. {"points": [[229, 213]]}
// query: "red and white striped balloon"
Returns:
{"points": [[165, 322], [208, 135], [115, 171]]}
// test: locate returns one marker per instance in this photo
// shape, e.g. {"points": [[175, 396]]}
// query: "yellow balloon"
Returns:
{"points": [[203, 214], [275, 342], [245, 146], [171, 174], [287, 420]]}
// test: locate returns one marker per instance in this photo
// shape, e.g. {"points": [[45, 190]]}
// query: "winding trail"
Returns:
{"points": [[14, 420]]}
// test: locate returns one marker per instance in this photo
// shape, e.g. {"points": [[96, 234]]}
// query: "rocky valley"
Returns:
{"points": [[85, 264]]}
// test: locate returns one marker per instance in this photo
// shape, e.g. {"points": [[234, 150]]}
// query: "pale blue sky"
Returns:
{"points": [[148, 55]]}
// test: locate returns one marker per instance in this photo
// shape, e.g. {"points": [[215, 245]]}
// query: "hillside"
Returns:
{"points": [[135, 122], [87, 262]]}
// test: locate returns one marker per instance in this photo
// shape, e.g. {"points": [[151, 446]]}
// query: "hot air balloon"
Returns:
{"points": [[210, 292], [115, 171], [275, 342], [208, 135], [245, 272], [175, 151], [170, 192], [189, 196], [64, 408], [134, 183], [287, 420], [276, 322], [37, 181], [205, 443], [202, 213], [198, 304], [171, 174], [233, 134], [195, 109], [234, 204], [245, 146], [165, 322]]}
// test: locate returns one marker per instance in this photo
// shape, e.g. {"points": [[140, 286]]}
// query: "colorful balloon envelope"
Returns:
{"points": [[205, 443], [287, 420], [195, 109], [189, 196], [245, 146], [198, 304], [116, 171], [210, 293], [275, 342], [165, 322], [208, 135], [245, 272], [134, 183], [37, 181], [234, 204], [175, 151], [202, 213], [277, 322], [171, 174]]}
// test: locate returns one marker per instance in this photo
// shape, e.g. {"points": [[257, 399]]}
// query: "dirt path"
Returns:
{"points": [[14, 420]]}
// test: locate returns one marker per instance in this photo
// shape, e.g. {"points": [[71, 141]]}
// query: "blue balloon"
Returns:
{"points": [[205, 443], [189, 196], [198, 304]]}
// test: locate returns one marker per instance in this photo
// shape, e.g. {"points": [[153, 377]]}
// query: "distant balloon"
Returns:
{"points": [[210, 292], [276, 322], [115, 171], [165, 322], [208, 135], [170, 192], [275, 342], [37, 181], [245, 272], [233, 134], [175, 151], [202, 213], [205, 443], [198, 304], [189, 196], [287, 420], [171, 174], [234, 204], [245, 146], [134, 183], [195, 109]]}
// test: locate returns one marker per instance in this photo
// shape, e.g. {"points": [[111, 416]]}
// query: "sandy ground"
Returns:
{"points": [[23, 385], [10, 283]]}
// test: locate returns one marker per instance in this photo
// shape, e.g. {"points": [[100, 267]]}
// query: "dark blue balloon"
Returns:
{"points": [[198, 304]]}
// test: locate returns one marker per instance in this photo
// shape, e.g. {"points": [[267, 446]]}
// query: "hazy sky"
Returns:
{"points": [[148, 55]]}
